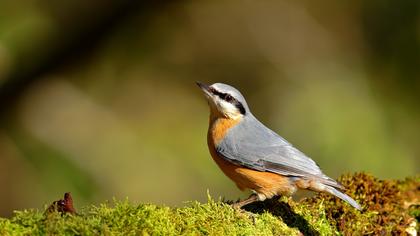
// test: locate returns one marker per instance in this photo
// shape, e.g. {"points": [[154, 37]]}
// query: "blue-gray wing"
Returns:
{"points": [[255, 146]]}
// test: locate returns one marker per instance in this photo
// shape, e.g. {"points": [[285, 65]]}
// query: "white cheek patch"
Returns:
{"points": [[228, 109]]}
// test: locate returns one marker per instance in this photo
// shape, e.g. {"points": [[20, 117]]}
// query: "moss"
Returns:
{"points": [[386, 205], [123, 218], [390, 207]]}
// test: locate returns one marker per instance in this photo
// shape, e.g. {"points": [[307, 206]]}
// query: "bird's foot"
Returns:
{"points": [[238, 206], [252, 198]]}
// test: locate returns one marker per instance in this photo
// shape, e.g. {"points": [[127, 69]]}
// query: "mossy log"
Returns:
{"points": [[391, 207]]}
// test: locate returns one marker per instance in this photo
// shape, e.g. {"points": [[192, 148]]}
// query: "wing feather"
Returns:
{"points": [[255, 146]]}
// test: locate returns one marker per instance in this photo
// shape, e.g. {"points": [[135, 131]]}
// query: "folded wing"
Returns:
{"points": [[255, 146]]}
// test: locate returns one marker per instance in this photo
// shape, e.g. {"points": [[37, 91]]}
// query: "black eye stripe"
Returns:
{"points": [[213, 90], [217, 93], [225, 96], [240, 107], [229, 98]]}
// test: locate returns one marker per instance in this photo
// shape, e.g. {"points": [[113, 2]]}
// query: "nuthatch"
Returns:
{"points": [[254, 156]]}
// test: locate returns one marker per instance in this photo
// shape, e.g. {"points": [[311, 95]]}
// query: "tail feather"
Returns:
{"points": [[343, 197]]}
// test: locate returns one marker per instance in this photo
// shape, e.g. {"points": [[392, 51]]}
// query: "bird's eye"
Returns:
{"points": [[228, 97]]}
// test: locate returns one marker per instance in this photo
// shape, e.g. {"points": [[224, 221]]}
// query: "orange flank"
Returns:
{"points": [[265, 183]]}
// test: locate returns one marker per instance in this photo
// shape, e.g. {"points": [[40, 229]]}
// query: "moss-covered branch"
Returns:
{"points": [[389, 207]]}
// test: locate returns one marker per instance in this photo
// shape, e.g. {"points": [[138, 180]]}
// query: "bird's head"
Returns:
{"points": [[224, 100]]}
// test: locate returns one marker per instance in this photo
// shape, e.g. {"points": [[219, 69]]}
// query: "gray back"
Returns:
{"points": [[252, 144]]}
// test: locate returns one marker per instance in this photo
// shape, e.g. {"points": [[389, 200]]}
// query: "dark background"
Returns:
{"points": [[98, 97]]}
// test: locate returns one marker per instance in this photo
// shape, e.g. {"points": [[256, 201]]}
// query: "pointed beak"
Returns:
{"points": [[205, 88]]}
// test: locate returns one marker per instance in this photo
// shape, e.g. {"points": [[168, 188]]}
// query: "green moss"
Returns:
{"points": [[123, 218], [389, 208], [386, 205]]}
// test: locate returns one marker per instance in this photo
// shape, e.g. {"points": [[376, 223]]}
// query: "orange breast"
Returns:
{"points": [[267, 183]]}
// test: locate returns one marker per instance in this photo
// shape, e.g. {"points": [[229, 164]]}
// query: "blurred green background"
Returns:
{"points": [[98, 97]]}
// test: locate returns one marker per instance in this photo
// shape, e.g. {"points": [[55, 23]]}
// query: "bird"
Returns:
{"points": [[255, 157]]}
